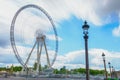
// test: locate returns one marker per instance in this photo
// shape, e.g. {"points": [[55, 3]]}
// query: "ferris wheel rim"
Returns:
{"points": [[12, 38]]}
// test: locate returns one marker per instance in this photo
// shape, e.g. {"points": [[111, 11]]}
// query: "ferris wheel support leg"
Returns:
{"points": [[39, 50], [40, 57], [25, 68], [37, 70], [48, 61], [30, 54]]}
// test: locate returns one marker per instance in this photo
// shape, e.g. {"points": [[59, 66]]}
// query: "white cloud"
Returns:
{"points": [[26, 24], [93, 11], [8, 9], [76, 59], [53, 37], [116, 31], [7, 56]]}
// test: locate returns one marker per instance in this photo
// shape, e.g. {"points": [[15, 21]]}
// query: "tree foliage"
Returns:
{"points": [[12, 68], [17, 68], [63, 70]]}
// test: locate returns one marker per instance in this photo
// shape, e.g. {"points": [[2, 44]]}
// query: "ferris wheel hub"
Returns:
{"points": [[40, 37]]}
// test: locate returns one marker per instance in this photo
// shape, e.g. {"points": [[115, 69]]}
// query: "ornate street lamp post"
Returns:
{"points": [[114, 74], [85, 28], [110, 69], [103, 55]]}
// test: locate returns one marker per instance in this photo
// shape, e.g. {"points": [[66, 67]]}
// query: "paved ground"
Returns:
{"points": [[35, 79], [21, 78]]}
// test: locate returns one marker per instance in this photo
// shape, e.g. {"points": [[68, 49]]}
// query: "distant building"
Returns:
{"points": [[116, 74]]}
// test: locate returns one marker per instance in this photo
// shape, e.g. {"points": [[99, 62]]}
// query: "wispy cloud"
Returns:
{"points": [[95, 12], [116, 31], [98, 10], [95, 59], [74, 59]]}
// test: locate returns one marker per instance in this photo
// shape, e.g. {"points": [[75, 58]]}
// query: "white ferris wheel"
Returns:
{"points": [[33, 37]]}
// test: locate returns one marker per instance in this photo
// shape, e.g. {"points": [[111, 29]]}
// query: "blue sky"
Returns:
{"points": [[102, 16]]}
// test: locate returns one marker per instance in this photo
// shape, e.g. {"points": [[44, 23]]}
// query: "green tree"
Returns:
{"points": [[2, 68], [96, 72], [63, 70], [17, 68], [35, 66], [56, 71]]}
